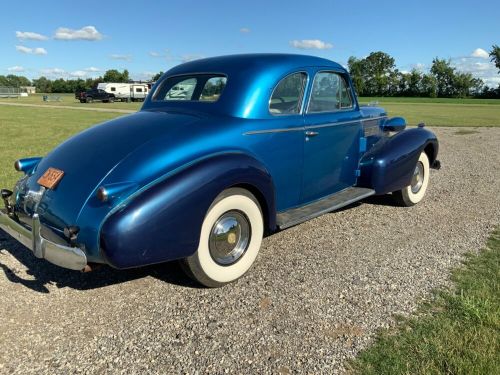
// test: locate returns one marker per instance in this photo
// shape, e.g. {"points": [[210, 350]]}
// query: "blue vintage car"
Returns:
{"points": [[224, 151]]}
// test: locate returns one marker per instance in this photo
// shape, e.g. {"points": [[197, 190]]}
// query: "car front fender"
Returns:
{"points": [[163, 222], [390, 164]]}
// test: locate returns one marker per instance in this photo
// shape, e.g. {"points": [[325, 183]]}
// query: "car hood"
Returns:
{"points": [[89, 158]]}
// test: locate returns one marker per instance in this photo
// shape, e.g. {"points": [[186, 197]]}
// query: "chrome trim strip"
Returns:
{"points": [[64, 256], [282, 130]]}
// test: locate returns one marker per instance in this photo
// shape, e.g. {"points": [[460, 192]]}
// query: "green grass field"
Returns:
{"points": [[457, 333], [69, 100], [26, 132], [434, 112], [442, 111]]}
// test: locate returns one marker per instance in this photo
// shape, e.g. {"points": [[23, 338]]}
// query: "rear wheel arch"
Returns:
{"points": [[268, 215], [431, 151]]}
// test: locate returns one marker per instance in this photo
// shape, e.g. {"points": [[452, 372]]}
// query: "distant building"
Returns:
{"points": [[28, 89]]}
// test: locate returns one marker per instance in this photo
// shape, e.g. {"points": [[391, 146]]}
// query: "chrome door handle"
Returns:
{"points": [[310, 133]]}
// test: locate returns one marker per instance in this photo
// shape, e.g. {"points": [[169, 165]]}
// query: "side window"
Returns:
{"points": [[212, 89], [183, 90], [345, 94], [287, 96], [329, 93], [113, 88]]}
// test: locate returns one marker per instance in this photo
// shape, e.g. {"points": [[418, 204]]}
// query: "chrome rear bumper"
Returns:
{"points": [[64, 256]]}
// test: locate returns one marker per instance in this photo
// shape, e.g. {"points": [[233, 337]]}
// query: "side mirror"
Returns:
{"points": [[394, 124]]}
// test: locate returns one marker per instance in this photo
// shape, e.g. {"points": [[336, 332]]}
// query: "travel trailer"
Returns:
{"points": [[126, 91]]}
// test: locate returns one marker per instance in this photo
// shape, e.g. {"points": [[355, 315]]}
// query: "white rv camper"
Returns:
{"points": [[125, 91]]}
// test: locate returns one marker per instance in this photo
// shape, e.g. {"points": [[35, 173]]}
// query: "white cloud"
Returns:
{"points": [[28, 35], [155, 54], [479, 68], [85, 33], [39, 51], [53, 71], [93, 69], [187, 58], [245, 30], [31, 51], [117, 56], [16, 69], [78, 73], [481, 53], [310, 44], [24, 49]]}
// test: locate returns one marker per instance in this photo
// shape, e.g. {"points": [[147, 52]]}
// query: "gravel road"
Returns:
{"points": [[315, 297]]}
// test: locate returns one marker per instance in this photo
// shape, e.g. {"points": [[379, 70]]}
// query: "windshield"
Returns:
{"points": [[196, 87]]}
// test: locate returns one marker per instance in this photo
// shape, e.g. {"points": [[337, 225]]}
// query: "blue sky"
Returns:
{"points": [[83, 39]]}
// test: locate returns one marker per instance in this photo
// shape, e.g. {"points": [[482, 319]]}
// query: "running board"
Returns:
{"points": [[332, 202]]}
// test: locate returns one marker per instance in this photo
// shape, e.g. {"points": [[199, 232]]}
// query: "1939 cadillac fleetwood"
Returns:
{"points": [[224, 151]]}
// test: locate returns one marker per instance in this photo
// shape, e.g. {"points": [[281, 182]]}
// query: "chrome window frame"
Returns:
{"points": [[348, 87], [301, 97]]}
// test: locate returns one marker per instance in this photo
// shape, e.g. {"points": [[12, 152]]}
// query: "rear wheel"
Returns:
{"points": [[414, 193], [230, 239]]}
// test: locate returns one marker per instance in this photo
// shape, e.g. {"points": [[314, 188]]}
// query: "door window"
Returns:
{"points": [[330, 93], [287, 96]]}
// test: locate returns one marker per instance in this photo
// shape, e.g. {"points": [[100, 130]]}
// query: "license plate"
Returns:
{"points": [[51, 178]]}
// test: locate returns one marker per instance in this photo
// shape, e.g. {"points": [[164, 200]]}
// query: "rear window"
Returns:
{"points": [[197, 87]]}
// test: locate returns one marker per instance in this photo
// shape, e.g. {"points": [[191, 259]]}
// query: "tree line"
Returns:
{"points": [[377, 75], [374, 75], [61, 85]]}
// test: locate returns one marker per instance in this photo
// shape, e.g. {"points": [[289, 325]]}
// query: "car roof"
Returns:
{"points": [[253, 61]]}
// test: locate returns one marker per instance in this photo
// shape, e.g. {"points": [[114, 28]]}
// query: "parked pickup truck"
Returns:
{"points": [[92, 95], [254, 145]]}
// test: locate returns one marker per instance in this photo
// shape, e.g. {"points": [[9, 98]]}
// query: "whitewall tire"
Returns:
{"points": [[414, 193], [230, 239]]}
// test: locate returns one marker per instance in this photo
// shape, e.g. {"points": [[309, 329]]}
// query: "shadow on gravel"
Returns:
{"points": [[44, 273], [381, 200]]}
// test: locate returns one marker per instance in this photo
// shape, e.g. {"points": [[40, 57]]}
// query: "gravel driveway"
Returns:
{"points": [[314, 298]]}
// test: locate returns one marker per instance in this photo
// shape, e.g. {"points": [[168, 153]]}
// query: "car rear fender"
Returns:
{"points": [[163, 222], [389, 165]]}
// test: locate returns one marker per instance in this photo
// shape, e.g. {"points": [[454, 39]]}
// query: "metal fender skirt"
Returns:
{"points": [[58, 254]]}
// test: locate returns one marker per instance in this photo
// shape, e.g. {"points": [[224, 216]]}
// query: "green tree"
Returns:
{"points": [[157, 76], [445, 77], [356, 70], [495, 56], [379, 67], [428, 86], [114, 75], [43, 84], [373, 75]]}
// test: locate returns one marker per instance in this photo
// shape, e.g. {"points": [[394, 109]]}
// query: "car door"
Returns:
{"points": [[332, 135]]}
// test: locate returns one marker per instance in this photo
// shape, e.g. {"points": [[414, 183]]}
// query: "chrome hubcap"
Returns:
{"points": [[418, 178], [229, 238]]}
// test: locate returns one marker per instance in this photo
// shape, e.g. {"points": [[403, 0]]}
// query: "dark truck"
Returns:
{"points": [[94, 95]]}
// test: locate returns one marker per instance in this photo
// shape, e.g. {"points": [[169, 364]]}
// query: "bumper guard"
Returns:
{"points": [[64, 256]]}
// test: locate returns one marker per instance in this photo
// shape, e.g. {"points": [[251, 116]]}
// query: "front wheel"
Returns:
{"points": [[414, 193], [230, 239]]}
